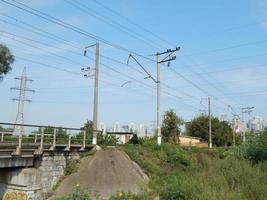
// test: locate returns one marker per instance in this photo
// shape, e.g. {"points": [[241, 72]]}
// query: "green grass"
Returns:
{"points": [[78, 194], [232, 173], [193, 173]]}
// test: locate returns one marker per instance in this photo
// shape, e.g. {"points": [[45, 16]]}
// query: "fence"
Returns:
{"points": [[42, 135]]}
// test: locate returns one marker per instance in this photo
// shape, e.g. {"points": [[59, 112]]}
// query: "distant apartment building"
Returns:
{"points": [[124, 132], [239, 126], [256, 124]]}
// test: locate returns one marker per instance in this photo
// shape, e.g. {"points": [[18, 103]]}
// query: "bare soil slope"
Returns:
{"points": [[107, 172]]}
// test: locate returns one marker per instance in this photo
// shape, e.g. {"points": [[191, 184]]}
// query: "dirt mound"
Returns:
{"points": [[107, 172]]}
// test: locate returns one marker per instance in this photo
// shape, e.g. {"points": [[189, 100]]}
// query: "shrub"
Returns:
{"points": [[257, 147], [130, 196], [151, 167], [106, 139], [78, 194], [173, 154], [136, 140], [190, 173], [71, 167], [254, 149]]}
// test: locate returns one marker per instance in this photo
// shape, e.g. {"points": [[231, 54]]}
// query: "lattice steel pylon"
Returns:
{"points": [[19, 128]]}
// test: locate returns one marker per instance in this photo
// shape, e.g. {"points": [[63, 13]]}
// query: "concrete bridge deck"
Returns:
{"points": [[29, 151]]}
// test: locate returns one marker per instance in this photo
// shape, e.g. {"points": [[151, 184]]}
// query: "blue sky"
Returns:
{"points": [[223, 52]]}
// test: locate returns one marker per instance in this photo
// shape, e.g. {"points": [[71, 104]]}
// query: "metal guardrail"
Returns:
{"points": [[3, 134], [40, 137]]}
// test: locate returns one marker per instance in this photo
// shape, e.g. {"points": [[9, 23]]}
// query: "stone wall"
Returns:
{"points": [[35, 182], [52, 169], [22, 182]]}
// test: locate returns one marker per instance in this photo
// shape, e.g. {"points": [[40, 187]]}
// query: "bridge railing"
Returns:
{"points": [[42, 136]]}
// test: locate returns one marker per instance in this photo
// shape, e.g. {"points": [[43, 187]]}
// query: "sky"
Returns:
{"points": [[223, 55]]}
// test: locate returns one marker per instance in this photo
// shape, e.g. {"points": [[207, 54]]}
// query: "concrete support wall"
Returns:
{"points": [[35, 182]]}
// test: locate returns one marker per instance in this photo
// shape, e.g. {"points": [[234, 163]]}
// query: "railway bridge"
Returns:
{"points": [[31, 164]]}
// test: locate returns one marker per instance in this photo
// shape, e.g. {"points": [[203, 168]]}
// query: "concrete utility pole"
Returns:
{"points": [[95, 115], [158, 102], [210, 138], [167, 59], [96, 75]]}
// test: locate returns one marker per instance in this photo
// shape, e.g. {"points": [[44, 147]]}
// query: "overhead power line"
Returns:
{"points": [[66, 25], [89, 11], [106, 66], [43, 33], [75, 53], [132, 22], [49, 18], [228, 48]]}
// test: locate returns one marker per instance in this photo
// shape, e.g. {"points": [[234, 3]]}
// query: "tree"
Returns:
{"points": [[61, 135], [170, 129], [6, 129], [88, 127], [6, 60], [135, 139], [222, 133]]}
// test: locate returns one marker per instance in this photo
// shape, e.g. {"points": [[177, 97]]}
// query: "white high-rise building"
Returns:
{"points": [[141, 130], [116, 127], [102, 127], [256, 124], [132, 127]]}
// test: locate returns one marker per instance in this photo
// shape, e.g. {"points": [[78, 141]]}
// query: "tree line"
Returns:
{"points": [[222, 132]]}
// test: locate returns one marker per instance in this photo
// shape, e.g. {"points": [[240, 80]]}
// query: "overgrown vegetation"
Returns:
{"points": [[192, 173], [78, 194], [170, 129], [254, 149], [176, 173], [136, 140], [6, 60], [221, 130], [71, 167], [106, 139]]}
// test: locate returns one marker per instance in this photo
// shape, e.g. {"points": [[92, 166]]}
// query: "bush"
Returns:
{"points": [[194, 173], [168, 187], [130, 196], [71, 167], [106, 139], [173, 154], [257, 147], [78, 194], [254, 149], [136, 140]]}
